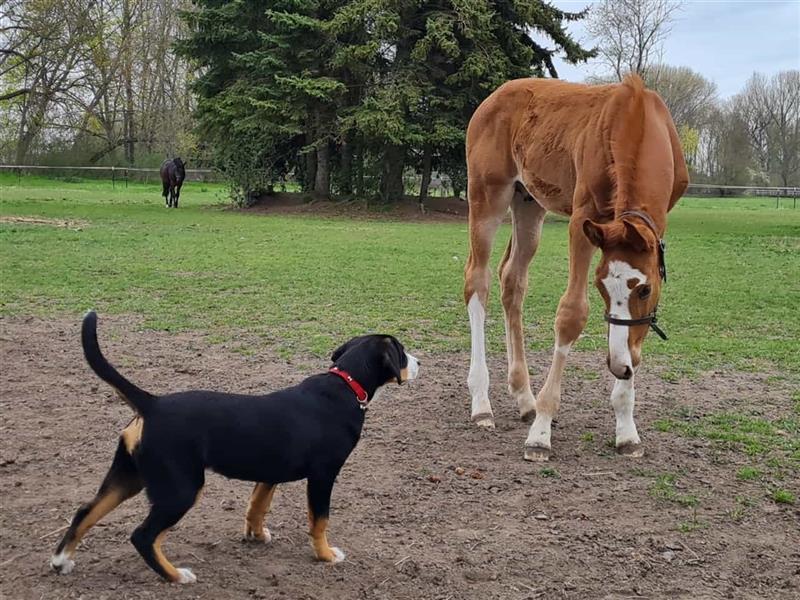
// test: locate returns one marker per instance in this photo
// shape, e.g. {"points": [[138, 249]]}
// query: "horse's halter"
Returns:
{"points": [[650, 319]]}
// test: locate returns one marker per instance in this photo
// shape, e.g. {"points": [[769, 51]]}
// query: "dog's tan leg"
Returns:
{"points": [[319, 499], [260, 501], [148, 537], [319, 541], [121, 482]]}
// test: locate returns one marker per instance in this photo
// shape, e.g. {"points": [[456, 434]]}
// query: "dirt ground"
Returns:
{"points": [[414, 526], [408, 210]]}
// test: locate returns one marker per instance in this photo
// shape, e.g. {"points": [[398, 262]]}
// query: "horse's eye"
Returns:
{"points": [[644, 292]]}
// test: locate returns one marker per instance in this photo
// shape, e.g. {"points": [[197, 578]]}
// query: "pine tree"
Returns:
{"points": [[333, 90], [265, 101], [426, 65]]}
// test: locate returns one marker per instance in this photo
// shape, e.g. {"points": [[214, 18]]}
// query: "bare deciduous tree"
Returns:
{"points": [[770, 111], [93, 77], [629, 33], [690, 97]]}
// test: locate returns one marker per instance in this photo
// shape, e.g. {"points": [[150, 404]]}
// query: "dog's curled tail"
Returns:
{"points": [[137, 398]]}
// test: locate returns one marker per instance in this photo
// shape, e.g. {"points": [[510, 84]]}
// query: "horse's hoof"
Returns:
{"points": [[537, 453], [485, 420], [631, 449], [528, 416]]}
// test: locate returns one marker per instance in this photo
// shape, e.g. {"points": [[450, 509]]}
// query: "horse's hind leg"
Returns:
{"points": [[121, 482], [527, 217], [165, 192], [487, 206]]}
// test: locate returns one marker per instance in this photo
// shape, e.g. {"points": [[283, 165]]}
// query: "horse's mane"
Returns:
{"points": [[626, 129]]}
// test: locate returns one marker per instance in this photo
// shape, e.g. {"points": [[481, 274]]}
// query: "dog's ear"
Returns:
{"points": [[393, 358], [343, 348]]}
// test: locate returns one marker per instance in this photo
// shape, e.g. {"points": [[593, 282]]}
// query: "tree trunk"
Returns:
{"points": [[127, 68], [392, 174], [310, 174], [347, 169], [359, 171], [426, 174], [311, 171], [322, 181]]}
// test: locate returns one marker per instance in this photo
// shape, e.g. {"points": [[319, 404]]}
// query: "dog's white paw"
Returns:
{"points": [[62, 563], [264, 538], [338, 555], [186, 576]]}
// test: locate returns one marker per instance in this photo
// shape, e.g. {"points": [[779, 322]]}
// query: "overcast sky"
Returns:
{"points": [[724, 40]]}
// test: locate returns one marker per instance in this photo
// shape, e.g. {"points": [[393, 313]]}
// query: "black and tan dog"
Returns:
{"points": [[302, 432]]}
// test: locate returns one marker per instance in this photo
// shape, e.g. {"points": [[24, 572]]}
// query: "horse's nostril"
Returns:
{"points": [[628, 373]]}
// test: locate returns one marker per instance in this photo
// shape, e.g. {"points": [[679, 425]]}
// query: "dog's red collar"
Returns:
{"points": [[360, 392]]}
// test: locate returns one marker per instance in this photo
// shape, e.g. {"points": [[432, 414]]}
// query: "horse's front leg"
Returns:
{"points": [[573, 312], [622, 399]]}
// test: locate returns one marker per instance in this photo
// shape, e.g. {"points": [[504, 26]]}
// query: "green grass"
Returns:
{"points": [[664, 488], [549, 473], [782, 496], [693, 525], [748, 473], [753, 435], [304, 284]]}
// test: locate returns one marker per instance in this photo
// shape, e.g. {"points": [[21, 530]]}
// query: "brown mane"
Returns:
{"points": [[626, 132]]}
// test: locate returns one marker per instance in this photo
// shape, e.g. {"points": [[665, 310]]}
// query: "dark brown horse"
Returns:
{"points": [[173, 173]]}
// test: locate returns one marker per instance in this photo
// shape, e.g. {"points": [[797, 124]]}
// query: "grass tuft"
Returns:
{"points": [[748, 473], [782, 496], [664, 488], [549, 472]]}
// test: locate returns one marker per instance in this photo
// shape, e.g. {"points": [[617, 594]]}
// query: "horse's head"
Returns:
{"points": [[180, 169], [629, 278]]}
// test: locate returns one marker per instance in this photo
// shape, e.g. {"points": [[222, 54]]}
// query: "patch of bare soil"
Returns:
{"points": [[74, 224], [427, 507], [434, 209]]}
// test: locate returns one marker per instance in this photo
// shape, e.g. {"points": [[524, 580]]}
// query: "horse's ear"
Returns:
{"points": [[637, 236], [595, 232]]}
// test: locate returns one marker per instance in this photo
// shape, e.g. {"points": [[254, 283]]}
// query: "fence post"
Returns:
{"points": [[113, 178]]}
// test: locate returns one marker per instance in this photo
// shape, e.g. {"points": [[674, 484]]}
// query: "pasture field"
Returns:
{"points": [[427, 506]]}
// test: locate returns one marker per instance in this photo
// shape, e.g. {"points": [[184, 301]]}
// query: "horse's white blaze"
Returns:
{"points": [[616, 284], [622, 399], [478, 379]]}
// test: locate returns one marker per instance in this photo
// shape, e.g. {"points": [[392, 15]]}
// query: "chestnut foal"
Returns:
{"points": [[609, 158]]}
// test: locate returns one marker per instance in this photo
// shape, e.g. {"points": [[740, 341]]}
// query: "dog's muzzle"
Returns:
{"points": [[413, 367]]}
